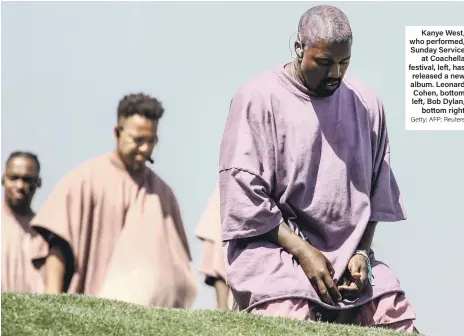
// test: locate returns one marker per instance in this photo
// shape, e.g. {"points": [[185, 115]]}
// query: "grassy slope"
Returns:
{"points": [[78, 315]]}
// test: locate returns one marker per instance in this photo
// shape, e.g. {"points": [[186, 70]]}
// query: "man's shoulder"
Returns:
{"points": [[86, 169], [258, 87], [364, 92], [96, 161]]}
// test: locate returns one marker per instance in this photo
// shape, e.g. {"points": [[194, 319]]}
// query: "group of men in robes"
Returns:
{"points": [[304, 178], [111, 228]]}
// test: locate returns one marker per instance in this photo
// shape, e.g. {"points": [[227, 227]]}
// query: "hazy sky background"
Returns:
{"points": [[66, 65]]}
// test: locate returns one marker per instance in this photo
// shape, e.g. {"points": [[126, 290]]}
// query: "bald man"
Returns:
{"points": [[20, 181], [304, 178]]}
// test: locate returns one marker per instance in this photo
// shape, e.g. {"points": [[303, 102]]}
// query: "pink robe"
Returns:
{"points": [[126, 235], [18, 273], [321, 165], [209, 231]]}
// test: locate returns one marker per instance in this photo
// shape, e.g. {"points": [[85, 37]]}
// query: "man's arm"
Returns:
{"points": [[284, 236], [385, 198], [316, 267], [57, 264], [54, 271], [222, 294], [367, 238]]}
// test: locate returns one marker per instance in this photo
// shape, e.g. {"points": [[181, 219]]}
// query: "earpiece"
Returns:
{"points": [[299, 50]]}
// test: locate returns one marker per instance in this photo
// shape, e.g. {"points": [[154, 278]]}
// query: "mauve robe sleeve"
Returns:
{"points": [[66, 211], [386, 200], [247, 168]]}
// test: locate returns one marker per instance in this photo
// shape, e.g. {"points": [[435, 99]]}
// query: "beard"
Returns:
{"points": [[324, 90], [326, 87]]}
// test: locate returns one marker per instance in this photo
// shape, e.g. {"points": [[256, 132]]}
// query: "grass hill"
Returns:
{"points": [[46, 315]]}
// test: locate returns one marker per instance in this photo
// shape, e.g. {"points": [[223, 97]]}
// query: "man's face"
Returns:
{"points": [[21, 179], [324, 65], [136, 140]]}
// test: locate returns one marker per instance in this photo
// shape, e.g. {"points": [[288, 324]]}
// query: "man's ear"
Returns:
{"points": [[299, 49], [116, 132]]}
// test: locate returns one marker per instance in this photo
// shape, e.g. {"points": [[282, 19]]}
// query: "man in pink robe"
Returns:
{"points": [[304, 178], [212, 261], [112, 228], [20, 181]]}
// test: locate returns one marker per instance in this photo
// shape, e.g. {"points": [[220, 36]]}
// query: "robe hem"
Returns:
{"points": [[321, 304], [386, 217], [204, 237], [250, 233], [208, 273], [211, 280], [41, 248]]}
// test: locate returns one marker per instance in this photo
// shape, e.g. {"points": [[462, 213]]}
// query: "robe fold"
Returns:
{"points": [[18, 273], [125, 232], [320, 165], [209, 231]]}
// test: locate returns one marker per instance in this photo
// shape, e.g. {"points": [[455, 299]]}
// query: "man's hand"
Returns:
{"points": [[320, 273], [355, 276], [315, 265]]}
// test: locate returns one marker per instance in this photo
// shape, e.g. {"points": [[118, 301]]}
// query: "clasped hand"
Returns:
{"points": [[320, 273], [355, 277]]}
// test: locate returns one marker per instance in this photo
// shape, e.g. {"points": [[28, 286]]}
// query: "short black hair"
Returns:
{"points": [[27, 155], [141, 104]]}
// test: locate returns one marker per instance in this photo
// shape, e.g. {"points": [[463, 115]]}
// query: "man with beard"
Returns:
{"points": [[20, 181], [112, 227], [304, 178]]}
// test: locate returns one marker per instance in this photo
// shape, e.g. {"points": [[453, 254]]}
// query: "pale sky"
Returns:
{"points": [[66, 65]]}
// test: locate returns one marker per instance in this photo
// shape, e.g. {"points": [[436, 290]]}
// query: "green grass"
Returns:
{"points": [[24, 315]]}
